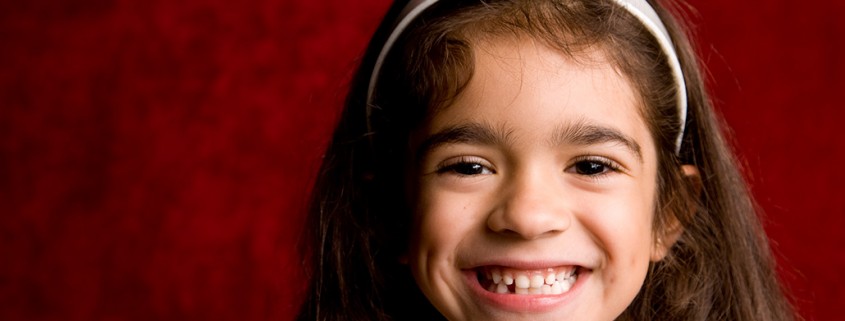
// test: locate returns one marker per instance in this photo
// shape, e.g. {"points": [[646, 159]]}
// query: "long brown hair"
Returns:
{"points": [[719, 269]]}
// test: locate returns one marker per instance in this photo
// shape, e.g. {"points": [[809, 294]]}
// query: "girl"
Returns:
{"points": [[533, 160]]}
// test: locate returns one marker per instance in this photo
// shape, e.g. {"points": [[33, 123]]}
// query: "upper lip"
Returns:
{"points": [[520, 264]]}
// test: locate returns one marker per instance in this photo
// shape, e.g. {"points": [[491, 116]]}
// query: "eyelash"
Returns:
{"points": [[607, 166], [472, 166], [463, 164]]}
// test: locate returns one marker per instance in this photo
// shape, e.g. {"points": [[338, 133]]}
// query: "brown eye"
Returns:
{"points": [[588, 167], [466, 168], [593, 166]]}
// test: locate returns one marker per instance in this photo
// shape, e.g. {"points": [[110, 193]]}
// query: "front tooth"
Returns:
{"points": [[520, 290], [491, 287], [550, 279], [537, 281], [546, 289], [497, 276], [535, 291], [508, 278], [522, 281], [501, 288]]}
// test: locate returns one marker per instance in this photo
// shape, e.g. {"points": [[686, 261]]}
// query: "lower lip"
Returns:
{"points": [[524, 302]]}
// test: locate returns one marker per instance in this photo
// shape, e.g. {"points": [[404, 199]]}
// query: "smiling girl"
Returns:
{"points": [[533, 160]]}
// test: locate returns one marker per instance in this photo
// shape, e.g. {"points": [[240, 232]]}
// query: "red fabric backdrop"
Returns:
{"points": [[156, 154]]}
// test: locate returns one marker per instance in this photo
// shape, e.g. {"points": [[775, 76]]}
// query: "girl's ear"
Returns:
{"points": [[673, 228]]}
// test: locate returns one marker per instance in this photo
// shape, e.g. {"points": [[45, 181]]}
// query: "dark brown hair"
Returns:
{"points": [[719, 269]]}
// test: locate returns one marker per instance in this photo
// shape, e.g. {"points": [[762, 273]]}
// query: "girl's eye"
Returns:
{"points": [[589, 168], [465, 168], [594, 167]]}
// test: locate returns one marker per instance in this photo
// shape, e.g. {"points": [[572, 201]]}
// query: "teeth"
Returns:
{"points": [[555, 288], [534, 281], [522, 281], [562, 276], [537, 281], [508, 278], [566, 285], [549, 282], [501, 288], [550, 279]]}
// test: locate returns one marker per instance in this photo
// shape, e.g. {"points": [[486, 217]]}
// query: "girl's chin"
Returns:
{"points": [[503, 290]]}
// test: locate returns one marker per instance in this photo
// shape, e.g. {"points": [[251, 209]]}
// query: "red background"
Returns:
{"points": [[156, 154]]}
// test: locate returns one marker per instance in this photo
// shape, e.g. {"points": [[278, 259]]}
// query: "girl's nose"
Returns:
{"points": [[532, 207]]}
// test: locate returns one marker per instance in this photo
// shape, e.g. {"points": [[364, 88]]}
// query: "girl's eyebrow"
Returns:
{"points": [[468, 133], [580, 132], [583, 132]]}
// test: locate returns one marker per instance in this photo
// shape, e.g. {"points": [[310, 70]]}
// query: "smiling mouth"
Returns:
{"points": [[549, 281]]}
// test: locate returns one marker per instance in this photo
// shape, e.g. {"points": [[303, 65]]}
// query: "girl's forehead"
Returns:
{"points": [[532, 60], [526, 57], [533, 92], [523, 74]]}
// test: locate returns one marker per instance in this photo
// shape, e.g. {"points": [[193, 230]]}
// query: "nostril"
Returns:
{"points": [[530, 216], [526, 233]]}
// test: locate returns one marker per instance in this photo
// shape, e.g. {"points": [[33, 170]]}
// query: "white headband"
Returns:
{"points": [[639, 8]]}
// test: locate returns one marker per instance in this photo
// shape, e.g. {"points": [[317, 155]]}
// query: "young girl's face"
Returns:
{"points": [[536, 190]]}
